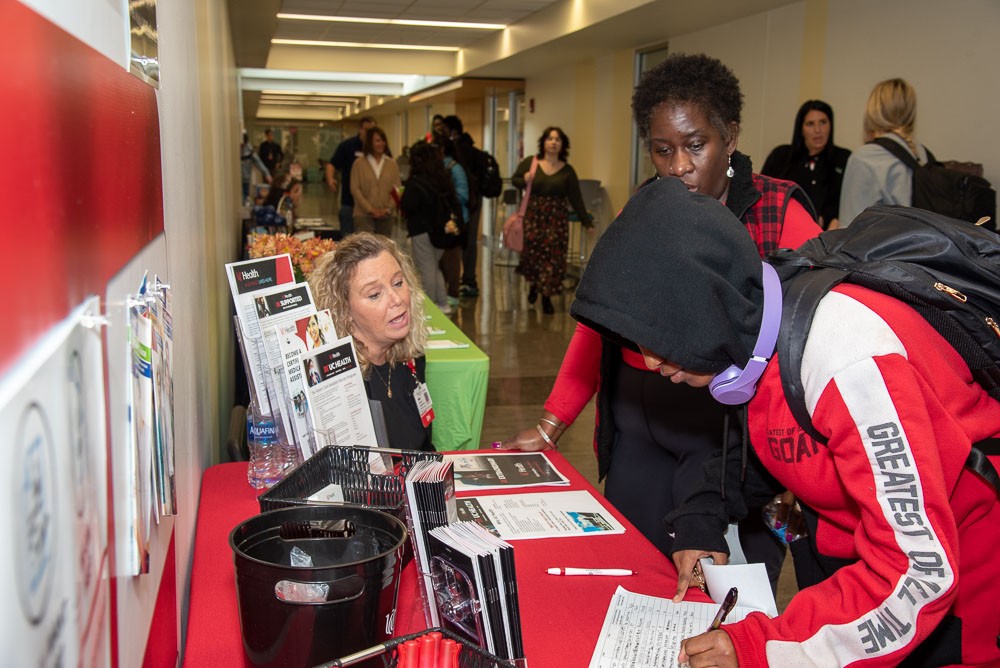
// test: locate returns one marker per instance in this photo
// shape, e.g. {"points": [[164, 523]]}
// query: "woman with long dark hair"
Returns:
{"points": [[546, 220], [427, 204], [812, 160]]}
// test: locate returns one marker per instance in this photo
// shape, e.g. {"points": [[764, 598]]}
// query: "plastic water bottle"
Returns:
{"points": [[783, 516], [270, 459]]}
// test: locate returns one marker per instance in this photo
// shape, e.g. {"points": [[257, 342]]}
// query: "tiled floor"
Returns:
{"points": [[525, 348]]}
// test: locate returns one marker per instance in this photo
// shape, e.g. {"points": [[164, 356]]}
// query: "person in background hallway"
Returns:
{"points": [[373, 180], [426, 205], [918, 533], [341, 162], [654, 435], [469, 157], [451, 263], [437, 129], [248, 160], [278, 209], [270, 151], [374, 295], [873, 175], [546, 220], [812, 160]]}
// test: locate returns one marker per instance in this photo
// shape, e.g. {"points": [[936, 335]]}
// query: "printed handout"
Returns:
{"points": [[544, 515], [283, 306], [246, 280], [646, 631], [335, 395], [295, 339], [504, 471]]}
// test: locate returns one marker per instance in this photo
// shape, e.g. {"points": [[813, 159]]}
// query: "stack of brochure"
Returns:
{"points": [[430, 503], [475, 587]]}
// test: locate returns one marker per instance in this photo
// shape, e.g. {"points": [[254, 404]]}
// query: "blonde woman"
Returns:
{"points": [[374, 295], [873, 174], [373, 178]]}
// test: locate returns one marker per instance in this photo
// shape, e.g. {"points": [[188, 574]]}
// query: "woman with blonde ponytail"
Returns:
{"points": [[873, 174]]}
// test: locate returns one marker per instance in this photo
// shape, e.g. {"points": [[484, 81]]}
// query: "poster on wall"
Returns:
{"points": [[54, 557]]}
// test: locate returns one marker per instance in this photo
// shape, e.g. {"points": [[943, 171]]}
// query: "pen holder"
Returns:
{"points": [[469, 655]]}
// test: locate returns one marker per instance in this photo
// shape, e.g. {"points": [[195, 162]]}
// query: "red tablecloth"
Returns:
{"points": [[561, 617]]}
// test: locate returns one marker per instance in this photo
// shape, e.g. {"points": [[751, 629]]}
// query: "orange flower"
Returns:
{"points": [[304, 253]]}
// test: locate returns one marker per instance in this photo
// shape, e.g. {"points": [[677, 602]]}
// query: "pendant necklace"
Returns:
{"points": [[388, 385]]}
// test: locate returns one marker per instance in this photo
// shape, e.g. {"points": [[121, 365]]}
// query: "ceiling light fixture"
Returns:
{"points": [[363, 45], [437, 90], [395, 22]]}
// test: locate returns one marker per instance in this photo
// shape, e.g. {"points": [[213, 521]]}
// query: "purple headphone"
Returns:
{"points": [[736, 386]]}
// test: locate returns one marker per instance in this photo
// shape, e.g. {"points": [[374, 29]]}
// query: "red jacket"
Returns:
{"points": [[579, 374], [900, 410]]}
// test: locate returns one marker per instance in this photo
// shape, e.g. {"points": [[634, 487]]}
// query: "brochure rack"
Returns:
{"points": [[348, 467]]}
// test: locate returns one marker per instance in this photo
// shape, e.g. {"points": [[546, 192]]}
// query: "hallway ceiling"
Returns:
{"points": [[299, 82]]}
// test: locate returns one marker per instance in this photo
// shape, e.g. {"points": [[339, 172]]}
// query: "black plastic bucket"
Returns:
{"points": [[303, 615]]}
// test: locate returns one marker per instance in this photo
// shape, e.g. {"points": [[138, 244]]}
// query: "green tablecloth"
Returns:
{"points": [[457, 380]]}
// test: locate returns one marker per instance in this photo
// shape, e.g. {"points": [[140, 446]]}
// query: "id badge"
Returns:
{"points": [[424, 405]]}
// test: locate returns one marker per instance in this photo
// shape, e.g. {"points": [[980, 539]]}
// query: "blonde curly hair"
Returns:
{"points": [[330, 283]]}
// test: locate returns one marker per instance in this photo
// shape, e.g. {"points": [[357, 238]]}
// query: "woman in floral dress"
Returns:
{"points": [[546, 220]]}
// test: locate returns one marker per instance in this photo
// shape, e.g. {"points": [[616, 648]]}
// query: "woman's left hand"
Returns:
{"points": [[714, 648], [686, 562]]}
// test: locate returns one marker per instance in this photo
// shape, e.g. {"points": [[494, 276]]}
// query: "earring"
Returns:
{"points": [[729, 172]]}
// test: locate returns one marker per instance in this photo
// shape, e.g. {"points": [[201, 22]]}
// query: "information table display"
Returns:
{"points": [[561, 616], [457, 379]]}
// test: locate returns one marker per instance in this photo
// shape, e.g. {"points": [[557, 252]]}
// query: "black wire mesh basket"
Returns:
{"points": [[470, 656], [348, 468]]}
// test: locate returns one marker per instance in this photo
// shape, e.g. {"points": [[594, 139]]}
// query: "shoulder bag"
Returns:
{"points": [[513, 227]]}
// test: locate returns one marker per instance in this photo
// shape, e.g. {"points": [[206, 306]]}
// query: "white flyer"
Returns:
{"points": [[294, 340], [544, 515], [246, 280], [279, 307], [336, 397]]}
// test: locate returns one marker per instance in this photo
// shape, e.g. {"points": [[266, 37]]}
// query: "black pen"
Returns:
{"points": [[728, 603]]}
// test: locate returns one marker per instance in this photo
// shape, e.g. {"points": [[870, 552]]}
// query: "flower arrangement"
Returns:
{"points": [[304, 252]]}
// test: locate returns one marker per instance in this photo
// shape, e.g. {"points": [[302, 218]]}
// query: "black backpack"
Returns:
{"points": [[490, 181], [946, 191], [947, 270]]}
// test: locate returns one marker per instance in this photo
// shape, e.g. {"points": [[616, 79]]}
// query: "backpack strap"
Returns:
{"points": [[802, 295], [904, 156], [982, 466]]}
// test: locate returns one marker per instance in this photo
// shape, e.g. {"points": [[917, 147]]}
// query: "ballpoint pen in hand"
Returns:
{"points": [[728, 603]]}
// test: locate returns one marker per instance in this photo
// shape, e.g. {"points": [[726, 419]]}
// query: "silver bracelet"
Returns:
{"points": [[545, 437], [557, 425]]}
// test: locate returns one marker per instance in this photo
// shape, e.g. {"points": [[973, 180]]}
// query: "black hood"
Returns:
{"points": [[678, 274]]}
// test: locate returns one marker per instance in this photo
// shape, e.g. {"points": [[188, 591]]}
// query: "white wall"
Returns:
{"points": [[200, 135], [946, 50]]}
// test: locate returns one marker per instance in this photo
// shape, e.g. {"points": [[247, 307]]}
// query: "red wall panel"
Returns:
{"points": [[80, 171]]}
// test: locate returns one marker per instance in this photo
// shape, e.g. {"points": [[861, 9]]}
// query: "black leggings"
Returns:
{"points": [[665, 432]]}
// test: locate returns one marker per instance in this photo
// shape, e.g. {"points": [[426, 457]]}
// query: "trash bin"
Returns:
{"points": [[316, 582]]}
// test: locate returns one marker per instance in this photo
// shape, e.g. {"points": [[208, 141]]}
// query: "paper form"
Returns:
{"points": [[647, 631]]}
